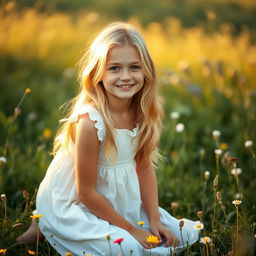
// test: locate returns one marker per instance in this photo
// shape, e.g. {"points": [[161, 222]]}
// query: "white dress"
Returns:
{"points": [[67, 223]]}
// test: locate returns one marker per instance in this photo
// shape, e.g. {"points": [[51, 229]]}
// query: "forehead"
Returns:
{"points": [[123, 53]]}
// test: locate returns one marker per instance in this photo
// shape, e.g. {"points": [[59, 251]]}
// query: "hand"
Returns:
{"points": [[159, 230], [141, 236]]}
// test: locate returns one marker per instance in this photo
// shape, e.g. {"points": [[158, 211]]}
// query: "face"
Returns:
{"points": [[123, 76]]}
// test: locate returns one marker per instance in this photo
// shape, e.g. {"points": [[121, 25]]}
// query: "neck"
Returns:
{"points": [[119, 107]]}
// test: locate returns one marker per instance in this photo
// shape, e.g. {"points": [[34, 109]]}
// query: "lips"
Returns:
{"points": [[125, 85]]}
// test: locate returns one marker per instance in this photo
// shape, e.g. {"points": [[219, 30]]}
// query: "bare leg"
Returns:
{"points": [[30, 236]]}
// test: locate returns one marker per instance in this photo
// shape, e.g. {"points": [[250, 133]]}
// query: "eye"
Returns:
{"points": [[135, 67], [114, 68]]}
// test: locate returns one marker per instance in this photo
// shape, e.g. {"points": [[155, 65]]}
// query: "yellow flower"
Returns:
{"points": [[140, 223], [47, 133], [236, 202], [68, 254], [153, 239], [37, 216], [205, 240], [28, 90], [3, 251], [30, 252], [223, 146]]}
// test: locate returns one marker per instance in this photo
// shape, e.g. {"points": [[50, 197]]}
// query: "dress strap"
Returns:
{"points": [[94, 115]]}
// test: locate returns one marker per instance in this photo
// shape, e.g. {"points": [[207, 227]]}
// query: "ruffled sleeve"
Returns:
{"points": [[94, 115]]}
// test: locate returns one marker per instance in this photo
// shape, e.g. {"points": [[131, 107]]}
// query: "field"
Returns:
{"points": [[207, 79]]}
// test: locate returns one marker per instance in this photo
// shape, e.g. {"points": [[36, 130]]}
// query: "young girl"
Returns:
{"points": [[102, 181]]}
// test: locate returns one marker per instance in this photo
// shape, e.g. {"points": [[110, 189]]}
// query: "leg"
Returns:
{"points": [[30, 235]]}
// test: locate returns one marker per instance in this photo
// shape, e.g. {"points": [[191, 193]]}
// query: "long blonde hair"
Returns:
{"points": [[147, 101]]}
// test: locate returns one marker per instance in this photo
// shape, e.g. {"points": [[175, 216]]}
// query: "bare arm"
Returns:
{"points": [[149, 196], [86, 170]]}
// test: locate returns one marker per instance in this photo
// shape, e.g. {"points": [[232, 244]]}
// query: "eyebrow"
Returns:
{"points": [[117, 63]]}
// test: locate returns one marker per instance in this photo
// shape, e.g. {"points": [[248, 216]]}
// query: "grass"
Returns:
{"points": [[208, 78]]}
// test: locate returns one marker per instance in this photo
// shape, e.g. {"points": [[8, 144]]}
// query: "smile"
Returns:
{"points": [[125, 86]]}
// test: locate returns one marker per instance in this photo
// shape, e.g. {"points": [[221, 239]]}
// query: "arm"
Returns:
{"points": [[149, 196], [86, 170]]}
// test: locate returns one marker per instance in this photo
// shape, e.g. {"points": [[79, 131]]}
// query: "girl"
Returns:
{"points": [[102, 181]]}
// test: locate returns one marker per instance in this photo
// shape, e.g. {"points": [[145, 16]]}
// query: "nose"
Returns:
{"points": [[125, 75]]}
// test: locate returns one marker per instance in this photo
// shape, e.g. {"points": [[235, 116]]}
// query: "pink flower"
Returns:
{"points": [[118, 241]]}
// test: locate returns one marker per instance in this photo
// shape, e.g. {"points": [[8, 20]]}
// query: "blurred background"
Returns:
{"points": [[205, 54]]}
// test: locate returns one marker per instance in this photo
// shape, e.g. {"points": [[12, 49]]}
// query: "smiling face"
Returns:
{"points": [[123, 75]]}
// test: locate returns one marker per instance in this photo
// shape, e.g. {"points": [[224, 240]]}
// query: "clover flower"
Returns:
{"points": [[207, 175], [205, 240], [248, 143], [180, 127], [216, 134], [153, 240], [218, 152], [236, 171], [3, 160], [174, 115]]}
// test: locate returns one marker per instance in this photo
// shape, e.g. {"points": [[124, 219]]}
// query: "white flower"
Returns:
{"points": [[248, 143], [199, 225], [205, 240], [236, 171], [3, 160], [236, 202], [239, 196], [174, 115], [207, 175], [180, 127], [3, 197], [216, 134], [218, 152]]}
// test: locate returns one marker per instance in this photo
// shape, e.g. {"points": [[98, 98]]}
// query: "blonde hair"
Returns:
{"points": [[147, 101]]}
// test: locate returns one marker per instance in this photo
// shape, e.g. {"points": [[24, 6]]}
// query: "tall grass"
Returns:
{"points": [[207, 78]]}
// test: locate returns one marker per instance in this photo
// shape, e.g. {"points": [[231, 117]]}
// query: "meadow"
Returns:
{"points": [[207, 79]]}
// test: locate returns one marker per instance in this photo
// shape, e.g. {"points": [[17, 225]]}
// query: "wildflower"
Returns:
{"points": [[68, 254], [47, 133], [236, 171], [118, 241], [174, 205], [236, 202], [36, 216], [108, 237], [3, 251], [223, 146], [216, 134], [239, 196], [248, 143], [205, 240], [199, 225], [200, 214], [180, 127], [207, 175], [219, 197], [3, 197], [218, 152], [153, 240], [202, 152], [28, 90], [30, 252], [174, 115], [181, 223], [32, 116], [3, 160], [140, 223], [17, 111]]}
